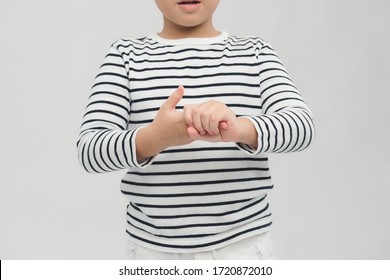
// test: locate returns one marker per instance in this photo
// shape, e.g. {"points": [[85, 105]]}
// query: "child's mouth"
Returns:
{"points": [[189, 5], [189, 2]]}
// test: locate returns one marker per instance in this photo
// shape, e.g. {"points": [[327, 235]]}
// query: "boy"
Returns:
{"points": [[198, 173]]}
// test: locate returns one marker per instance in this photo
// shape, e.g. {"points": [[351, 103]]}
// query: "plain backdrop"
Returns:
{"points": [[330, 201]]}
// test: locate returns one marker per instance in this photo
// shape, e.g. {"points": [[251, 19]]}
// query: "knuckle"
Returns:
{"points": [[187, 107], [196, 112]]}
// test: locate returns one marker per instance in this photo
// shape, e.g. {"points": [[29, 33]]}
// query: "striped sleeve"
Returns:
{"points": [[105, 144], [286, 124]]}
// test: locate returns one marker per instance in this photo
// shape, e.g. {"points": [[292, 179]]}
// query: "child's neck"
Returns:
{"points": [[173, 31]]}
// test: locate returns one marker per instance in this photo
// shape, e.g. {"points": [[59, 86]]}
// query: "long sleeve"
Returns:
{"points": [[286, 124], [105, 144]]}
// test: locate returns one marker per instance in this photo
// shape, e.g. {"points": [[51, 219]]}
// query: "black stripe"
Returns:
{"points": [[204, 214], [143, 69], [265, 100], [222, 94], [157, 162], [312, 132], [110, 93], [195, 183], [283, 134], [281, 100], [272, 69], [261, 133], [141, 122], [276, 76], [292, 142], [159, 46], [155, 109], [147, 121], [203, 149], [304, 130], [112, 74], [192, 58], [202, 171], [174, 87], [252, 39], [197, 194], [276, 85], [111, 84], [197, 205], [91, 130], [261, 211], [291, 136], [95, 153], [108, 150], [268, 134], [88, 151], [116, 149], [117, 55], [168, 236], [297, 131], [113, 64], [140, 41], [89, 112], [204, 244], [268, 54], [181, 51], [193, 77], [124, 148], [110, 103], [275, 129]]}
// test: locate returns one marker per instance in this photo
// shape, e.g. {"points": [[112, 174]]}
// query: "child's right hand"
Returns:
{"points": [[168, 129], [169, 125]]}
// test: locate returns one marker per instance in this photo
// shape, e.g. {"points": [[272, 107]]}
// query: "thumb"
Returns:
{"points": [[223, 125], [174, 98]]}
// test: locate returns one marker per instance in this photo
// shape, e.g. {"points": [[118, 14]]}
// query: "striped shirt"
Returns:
{"points": [[199, 196]]}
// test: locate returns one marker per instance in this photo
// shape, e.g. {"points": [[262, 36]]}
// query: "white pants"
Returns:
{"points": [[258, 247]]}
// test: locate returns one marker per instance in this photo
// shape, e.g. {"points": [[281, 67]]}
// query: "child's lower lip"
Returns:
{"points": [[189, 7]]}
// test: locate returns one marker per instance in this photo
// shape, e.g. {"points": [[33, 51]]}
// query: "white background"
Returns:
{"points": [[329, 202]]}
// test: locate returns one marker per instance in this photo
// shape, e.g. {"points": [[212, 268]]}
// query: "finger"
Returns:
{"points": [[223, 125], [214, 124], [174, 99], [215, 114], [187, 110], [205, 114], [209, 117], [193, 133], [197, 120]]}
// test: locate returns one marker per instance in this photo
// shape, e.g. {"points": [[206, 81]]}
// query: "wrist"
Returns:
{"points": [[248, 133], [148, 143]]}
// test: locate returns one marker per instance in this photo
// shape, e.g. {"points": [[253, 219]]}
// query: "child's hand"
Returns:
{"points": [[213, 121], [169, 125], [167, 129]]}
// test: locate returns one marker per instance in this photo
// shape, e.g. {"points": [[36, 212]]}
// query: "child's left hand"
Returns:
{"points": [[213, 121]]}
